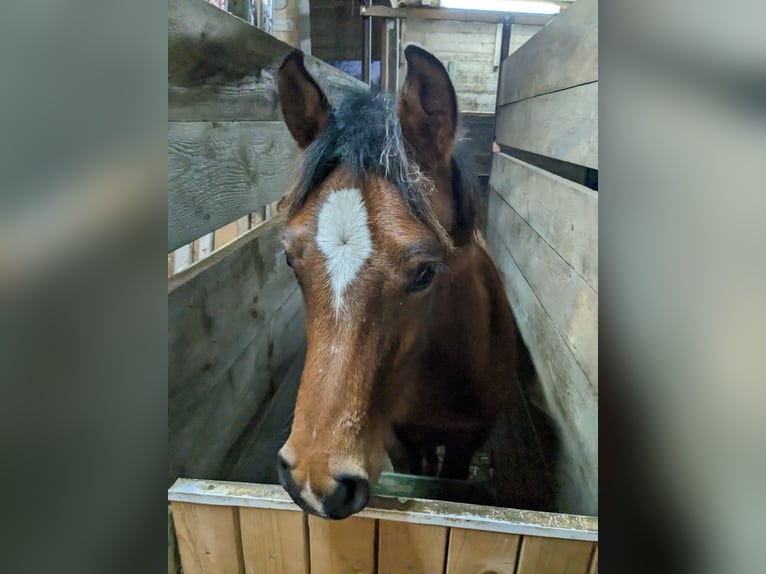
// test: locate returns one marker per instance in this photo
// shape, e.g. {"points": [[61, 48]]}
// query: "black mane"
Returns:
{"points": [[364, 136]]}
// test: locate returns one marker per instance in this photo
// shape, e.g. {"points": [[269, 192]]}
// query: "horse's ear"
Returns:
{"points": [[304, 105], [428, 107]]}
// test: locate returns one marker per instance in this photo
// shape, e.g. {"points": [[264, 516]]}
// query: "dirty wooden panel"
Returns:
{"points": [[274, 541], [218, 172], [208, 538], [563, 213], [235, 322], [411, 548], [568, 300], [476, 551], [569, 398], [221, 68], [342, 546], [552, 556], [562, 125], [561, 55]]}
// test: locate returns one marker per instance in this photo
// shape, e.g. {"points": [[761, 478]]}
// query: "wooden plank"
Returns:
{"points": [[551, 556], [173, 564], [569, 397], [476, 551], [568, 300], [274, 541], [235, 322], [218, 172], [208, 538], [342, 546], [562, 125], [225, 234], [411, 548], [453, 14], [439, 513], [563, 213], [561, 55], [221, 68]]}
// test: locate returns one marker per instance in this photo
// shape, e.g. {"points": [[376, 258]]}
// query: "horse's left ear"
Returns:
{"points": [[428, 107], [304, 105]]}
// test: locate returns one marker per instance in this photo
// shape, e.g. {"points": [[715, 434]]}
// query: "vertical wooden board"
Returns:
{"points": [[475, 551], [342, 546], [208, 538], [274, 541], [225, 234], [594, 562], [405, 548], [554, 556]]}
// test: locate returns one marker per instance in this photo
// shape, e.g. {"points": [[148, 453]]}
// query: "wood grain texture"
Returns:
{"points": [[411, 548], [476, 552], [274, 541], [551, 556], [569, 398], [222, 68], [431, 512], [208, 538], [219, 172], [342, 546], [568, 300], [235, 324], [561, 55], [563, 213], [562, 125]]}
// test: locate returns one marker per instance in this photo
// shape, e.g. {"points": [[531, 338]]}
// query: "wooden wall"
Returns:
{"points": [[231, 527], [235, 319], [543, 232]]}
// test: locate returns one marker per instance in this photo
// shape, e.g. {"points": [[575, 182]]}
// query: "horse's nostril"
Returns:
{"points": [[349, 497]]}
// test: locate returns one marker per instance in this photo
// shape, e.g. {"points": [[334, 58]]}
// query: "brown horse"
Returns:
{"points": [[411, 340]]}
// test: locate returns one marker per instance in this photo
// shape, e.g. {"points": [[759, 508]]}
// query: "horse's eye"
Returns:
{"points": [[423, 279], [289, 261]]}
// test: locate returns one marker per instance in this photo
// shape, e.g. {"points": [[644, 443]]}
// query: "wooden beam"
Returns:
{"points": [[452, 514], [562, 125], [221, 68], [561, 55], [219, 172], [490, 16]]}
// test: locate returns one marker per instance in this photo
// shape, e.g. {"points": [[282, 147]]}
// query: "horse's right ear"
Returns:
{"points": [[304, 105]]}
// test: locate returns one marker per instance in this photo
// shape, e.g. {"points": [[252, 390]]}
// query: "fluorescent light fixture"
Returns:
{"points": [[503, 6]]}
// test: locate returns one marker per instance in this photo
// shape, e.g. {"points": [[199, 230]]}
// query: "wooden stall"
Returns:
{"points": [[543, 230], [236, 334]]}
